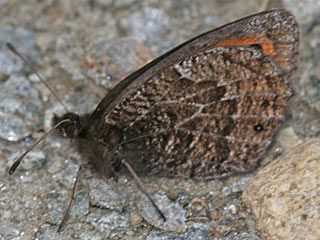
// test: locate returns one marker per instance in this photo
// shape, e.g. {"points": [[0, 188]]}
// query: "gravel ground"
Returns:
{"points": [[83, 48]]}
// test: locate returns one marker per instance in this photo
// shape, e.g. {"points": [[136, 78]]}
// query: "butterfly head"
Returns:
{"points": [[71, 128]]}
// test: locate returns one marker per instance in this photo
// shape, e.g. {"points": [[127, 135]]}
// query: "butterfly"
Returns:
{"points": [[209, 108]]}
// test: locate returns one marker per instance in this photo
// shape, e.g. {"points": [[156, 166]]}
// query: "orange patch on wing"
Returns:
{"points": [[267, 47]]}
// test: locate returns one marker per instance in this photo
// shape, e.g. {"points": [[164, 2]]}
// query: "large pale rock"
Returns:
{"points": [[285, 195]]}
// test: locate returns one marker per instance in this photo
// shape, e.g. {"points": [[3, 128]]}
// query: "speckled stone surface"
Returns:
{"points": [[83, 48], [285, 195]]}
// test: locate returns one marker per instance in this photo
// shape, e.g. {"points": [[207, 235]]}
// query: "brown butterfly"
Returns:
{"points": [[208, 108]]}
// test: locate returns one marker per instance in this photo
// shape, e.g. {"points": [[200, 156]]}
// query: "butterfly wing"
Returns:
{"points": [[208, 108]]}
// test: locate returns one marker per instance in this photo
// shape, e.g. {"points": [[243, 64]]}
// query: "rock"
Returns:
{"points": [[284, 196]]}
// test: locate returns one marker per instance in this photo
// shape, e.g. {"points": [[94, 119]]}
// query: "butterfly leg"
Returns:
{"points": [[140, 185], [67, 212]]}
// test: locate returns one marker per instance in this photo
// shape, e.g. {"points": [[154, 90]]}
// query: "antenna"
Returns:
{"points": [[15, 51], [18, 161]]}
